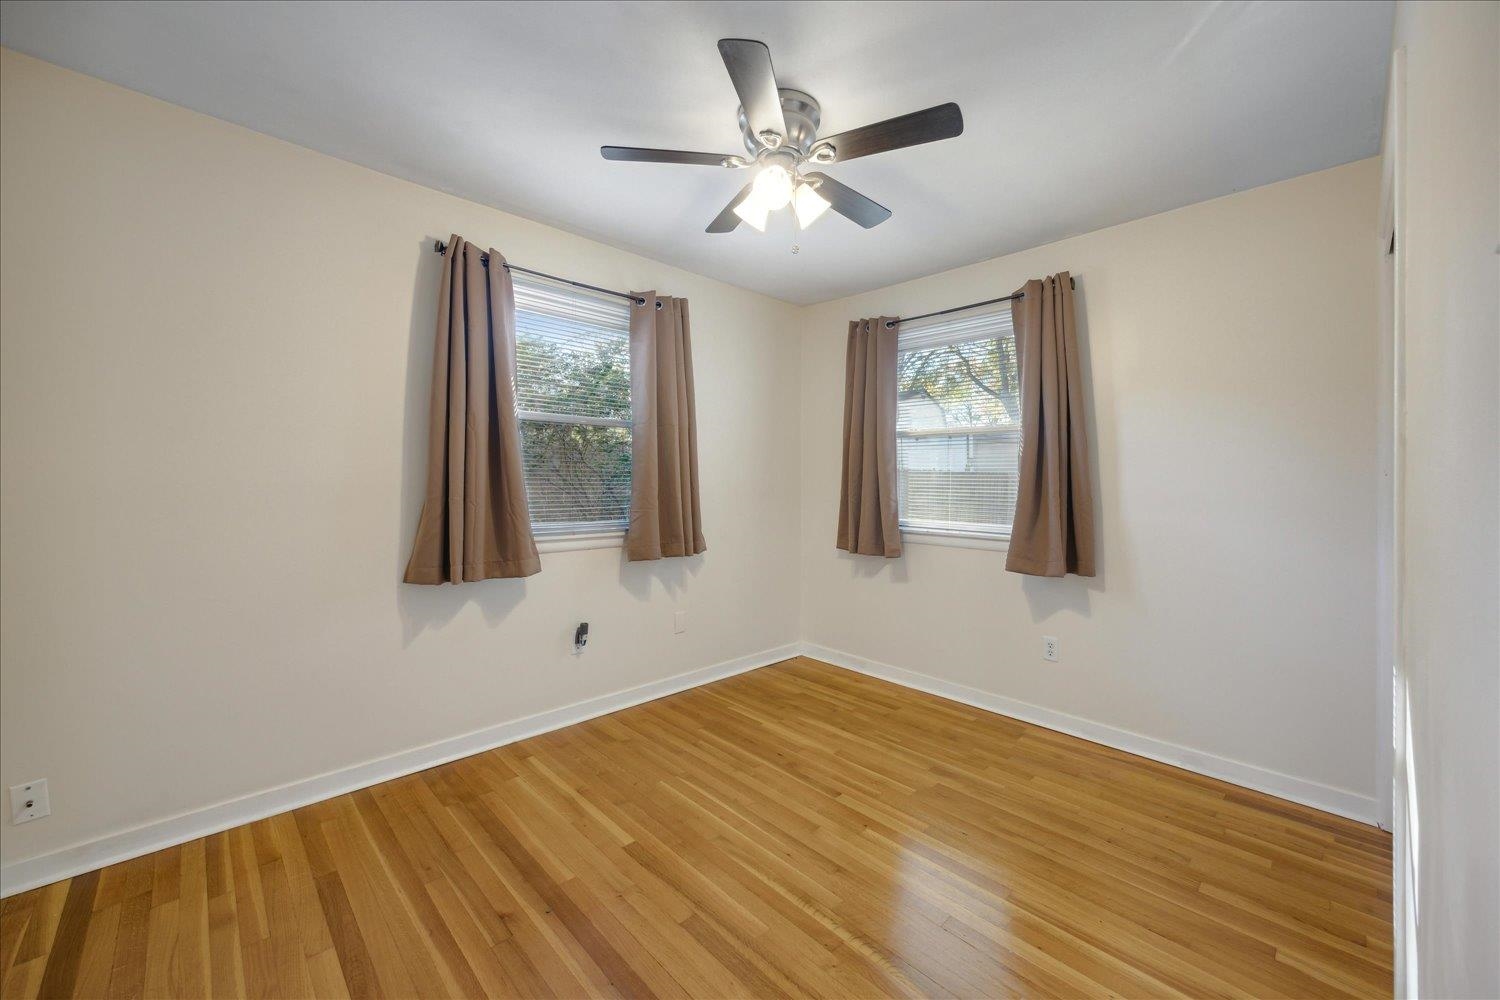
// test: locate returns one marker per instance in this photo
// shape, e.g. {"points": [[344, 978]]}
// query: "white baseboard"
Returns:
{"points": [[78, 858], [1341, 802]]}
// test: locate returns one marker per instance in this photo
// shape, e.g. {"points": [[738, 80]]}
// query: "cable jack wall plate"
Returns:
{"points": [[29, 801]]}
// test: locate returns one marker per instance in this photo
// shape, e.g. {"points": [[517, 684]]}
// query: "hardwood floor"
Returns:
{"points": [[796, 830]]}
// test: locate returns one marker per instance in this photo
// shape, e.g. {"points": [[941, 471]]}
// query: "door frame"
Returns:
{"points": [[1394, 749]]}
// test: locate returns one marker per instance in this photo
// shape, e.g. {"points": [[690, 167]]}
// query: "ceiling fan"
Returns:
{"points": [[780, 128]]}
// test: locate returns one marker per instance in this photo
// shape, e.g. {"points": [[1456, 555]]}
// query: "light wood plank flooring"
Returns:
{"points": [[798, 830]]}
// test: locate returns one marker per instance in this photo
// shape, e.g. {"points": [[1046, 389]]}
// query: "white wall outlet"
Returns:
{"points": [[1049, 648], [29, 801], [679, 622]]}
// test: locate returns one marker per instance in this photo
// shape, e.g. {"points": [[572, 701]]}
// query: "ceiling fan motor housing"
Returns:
{"points": [[802, 115]]}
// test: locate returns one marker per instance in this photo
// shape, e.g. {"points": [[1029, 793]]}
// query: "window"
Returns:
{"points": [[958, 424], [573, 400]]}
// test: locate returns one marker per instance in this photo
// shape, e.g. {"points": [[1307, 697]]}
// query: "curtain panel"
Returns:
{"points": [[475, 524], [1053, 533], [869, 517], [666, 517]]}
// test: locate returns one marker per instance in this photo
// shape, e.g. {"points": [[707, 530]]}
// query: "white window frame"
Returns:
{"points": [[554, 541], [570, 536], [953, 535]]}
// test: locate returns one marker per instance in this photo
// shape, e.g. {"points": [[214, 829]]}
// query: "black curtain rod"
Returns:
{"points": [[440, 247], [972, 305]]}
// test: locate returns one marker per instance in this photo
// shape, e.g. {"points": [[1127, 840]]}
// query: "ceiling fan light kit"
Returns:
{"points": [[780, 130]]}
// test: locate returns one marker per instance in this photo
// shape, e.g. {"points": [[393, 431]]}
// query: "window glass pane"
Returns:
{"points": [[958, 385], [575, 473], [572, 353], [573, 391], [961, 482], [958, 424]]}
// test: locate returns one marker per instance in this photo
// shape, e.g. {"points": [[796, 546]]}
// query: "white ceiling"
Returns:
{"points": [[1076, 115]]}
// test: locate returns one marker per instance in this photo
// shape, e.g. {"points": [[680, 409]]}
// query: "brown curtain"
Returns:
{"points": [[868, 516], [475, 524], [1053, 532], [666, 518]]}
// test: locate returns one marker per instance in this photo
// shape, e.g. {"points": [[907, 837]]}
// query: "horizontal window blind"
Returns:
{"points": [[572, 352], [573, 398], [958, 423]]}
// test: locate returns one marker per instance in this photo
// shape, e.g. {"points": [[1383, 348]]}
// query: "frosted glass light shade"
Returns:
{"points": [[808, 205], [773, 185], [753, 211]]}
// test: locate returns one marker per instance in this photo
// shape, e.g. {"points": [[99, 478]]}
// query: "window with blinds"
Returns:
{"points": [[573, 400], [958, 424]]}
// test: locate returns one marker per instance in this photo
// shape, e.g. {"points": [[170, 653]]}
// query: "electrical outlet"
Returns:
{"points": [[679, 622], [1049, 648], [29, 801]]}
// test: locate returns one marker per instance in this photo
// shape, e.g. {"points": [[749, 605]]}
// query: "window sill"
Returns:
{"points": [[955, 539], [579, 541]]}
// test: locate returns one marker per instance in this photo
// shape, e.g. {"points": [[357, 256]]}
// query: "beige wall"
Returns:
{"points": [[1449, 494], [1231, 352], [214, 360]]}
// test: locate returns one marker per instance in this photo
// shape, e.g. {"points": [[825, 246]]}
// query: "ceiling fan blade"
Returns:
{"points": [[749, 65], [942, 122], [636, 154], [726, 221], [850, 203]]}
